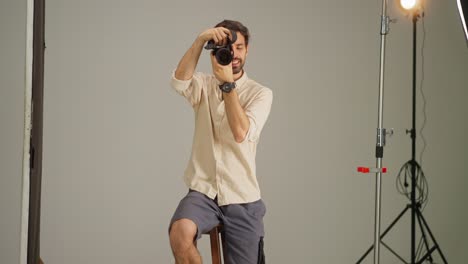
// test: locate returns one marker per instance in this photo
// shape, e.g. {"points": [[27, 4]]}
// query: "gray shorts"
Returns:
{"points": [[243, 225]]}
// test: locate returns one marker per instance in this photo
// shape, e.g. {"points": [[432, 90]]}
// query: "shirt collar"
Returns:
{"points": [[240, 82]]}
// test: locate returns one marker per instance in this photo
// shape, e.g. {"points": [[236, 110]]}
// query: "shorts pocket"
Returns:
{"points": [[255, 209]]}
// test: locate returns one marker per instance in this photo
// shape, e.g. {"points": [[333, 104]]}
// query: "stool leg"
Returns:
{"points": [[223, 243], [215, 249]]}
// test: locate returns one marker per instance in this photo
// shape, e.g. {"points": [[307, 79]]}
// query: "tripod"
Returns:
{"points": [[415, 206]]}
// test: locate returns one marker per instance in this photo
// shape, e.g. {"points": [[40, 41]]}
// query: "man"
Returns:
{"points": [[230, 112]]}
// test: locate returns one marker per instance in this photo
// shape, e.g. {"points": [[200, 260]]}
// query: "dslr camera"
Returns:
{"points": [[223, 54]]}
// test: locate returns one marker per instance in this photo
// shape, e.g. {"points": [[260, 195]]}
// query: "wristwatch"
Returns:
{"points": [[227, 86]]}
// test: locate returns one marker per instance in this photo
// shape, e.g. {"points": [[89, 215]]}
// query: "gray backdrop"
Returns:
{"points": [[117, 138], [12, 90]]}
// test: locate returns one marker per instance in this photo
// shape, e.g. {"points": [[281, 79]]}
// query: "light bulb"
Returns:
{"points": [[408, 4]]}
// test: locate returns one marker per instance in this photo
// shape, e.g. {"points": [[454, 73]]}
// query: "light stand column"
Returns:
{"points": [[414, 205], [380, 132]]}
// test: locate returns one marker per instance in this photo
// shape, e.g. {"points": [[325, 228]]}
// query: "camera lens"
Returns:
{"points": [[223, 56]]}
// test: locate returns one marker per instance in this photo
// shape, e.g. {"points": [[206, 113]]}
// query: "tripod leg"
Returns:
{"points": [[393, 252], [432, 236], [424, 237], [384, 233]]}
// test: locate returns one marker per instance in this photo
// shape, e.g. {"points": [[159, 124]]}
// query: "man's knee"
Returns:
{"points": [[182, 234]]}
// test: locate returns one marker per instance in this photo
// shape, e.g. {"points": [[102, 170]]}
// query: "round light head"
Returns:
{"points": [[408, 4]]}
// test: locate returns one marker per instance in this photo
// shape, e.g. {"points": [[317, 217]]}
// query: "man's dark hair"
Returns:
{"points": [[236, 26]]}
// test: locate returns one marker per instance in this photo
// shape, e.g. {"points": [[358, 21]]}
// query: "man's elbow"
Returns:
{"points": [[240, 135], [179, 76], [182, 75]]}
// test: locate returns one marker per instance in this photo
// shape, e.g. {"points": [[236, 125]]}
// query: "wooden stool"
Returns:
{"points": [[214, 241]]}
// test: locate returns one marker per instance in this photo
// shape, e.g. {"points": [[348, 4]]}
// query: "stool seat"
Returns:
{"points": [[214, 241]]}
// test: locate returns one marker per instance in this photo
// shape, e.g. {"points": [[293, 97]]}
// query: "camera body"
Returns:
{"points": [[223, 54]]}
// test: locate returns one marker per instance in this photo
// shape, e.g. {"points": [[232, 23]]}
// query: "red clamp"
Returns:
{"points": [[373, 170]]}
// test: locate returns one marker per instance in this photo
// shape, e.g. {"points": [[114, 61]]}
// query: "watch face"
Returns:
{"points": [[227, 87]]}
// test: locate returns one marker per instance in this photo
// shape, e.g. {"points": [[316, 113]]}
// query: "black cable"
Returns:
{"points": [[423, 206], [419, 251], [422, 91], [404, 177]]}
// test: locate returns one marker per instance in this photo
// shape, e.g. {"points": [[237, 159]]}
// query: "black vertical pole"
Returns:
{"points": [[35, 176], [413, 151]]}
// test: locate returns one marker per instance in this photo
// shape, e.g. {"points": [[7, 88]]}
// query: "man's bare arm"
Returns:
{"points": [[237, 119], [189, 61]]}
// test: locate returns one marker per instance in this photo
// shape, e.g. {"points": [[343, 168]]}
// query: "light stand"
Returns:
{"points": [[381, 134], [414, 206]]}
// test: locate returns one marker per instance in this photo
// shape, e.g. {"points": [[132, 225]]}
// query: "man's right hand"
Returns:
{"points": [[189, 61], [218, 34]]}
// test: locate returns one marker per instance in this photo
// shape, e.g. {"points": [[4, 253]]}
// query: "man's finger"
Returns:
{"points": [[227, 32], [220, 38], [215, 39]]}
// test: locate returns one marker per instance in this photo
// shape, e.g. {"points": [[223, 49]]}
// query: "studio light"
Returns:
{"points": [[409, 4]]}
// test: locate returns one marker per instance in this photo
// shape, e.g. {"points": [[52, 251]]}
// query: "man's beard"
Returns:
{"points": [[238, 69]]}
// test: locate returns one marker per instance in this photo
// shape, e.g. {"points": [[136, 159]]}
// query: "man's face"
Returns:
{"points": [[240, 54]]}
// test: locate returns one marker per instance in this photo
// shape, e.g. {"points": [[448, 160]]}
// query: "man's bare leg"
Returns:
{"points": [[183, 247]]}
